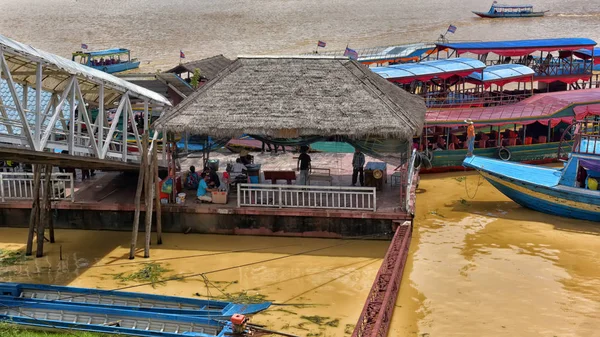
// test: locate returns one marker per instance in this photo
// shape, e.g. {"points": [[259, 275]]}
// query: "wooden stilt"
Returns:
{"points": [[50, 220], [44, 211], [149, 188], [138, 195], [157, 196], [34, 217]]}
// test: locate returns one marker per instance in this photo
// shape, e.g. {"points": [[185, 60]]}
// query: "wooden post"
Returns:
{"points": [[44, 211], [149, 193], [34, 217], [157, 195], [138, 195], [49, 218]]}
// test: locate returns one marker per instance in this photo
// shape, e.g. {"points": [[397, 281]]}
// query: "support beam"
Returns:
{"points": [[138, 195], [4, 115], [100, 119], [71, 137], [146, 116], [124, 137], [57, 111], [83, 112], [113, 127], [157, 193], [134, 125], [34, 216], [13, 91], [38, 103]]}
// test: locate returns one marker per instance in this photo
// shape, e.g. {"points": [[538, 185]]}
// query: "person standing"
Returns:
{"points": [[470, 137], [303, 166], [358, 162]]}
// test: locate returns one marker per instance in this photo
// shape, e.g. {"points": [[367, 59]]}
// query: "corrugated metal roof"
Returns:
{"points": [[519, 47], [429, 69], [22, 59], [502, 72]]}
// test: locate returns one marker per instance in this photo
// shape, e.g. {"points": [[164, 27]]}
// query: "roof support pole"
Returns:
{"points": [[146, 117], [100, 119], [4, 114], [134, 126], [113, 126], [57, 111], [38, 103], [88, 120], [44, 114], [71, 137], [124, 138], [11, 86]]}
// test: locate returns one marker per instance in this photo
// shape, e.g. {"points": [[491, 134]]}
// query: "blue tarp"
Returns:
{"points": [[524, 45], [502, 72], [429, 69]]}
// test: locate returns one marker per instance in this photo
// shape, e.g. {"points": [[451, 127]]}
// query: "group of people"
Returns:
{"points": [[207, 182], [304, 165], [103, 62]]}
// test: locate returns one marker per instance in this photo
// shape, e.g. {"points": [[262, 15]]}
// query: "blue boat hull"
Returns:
{"points": [[58, 316], [510, 15], [126, 300], [543, 196], [119, 67]]}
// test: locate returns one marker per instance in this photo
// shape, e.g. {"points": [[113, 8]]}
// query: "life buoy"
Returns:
{"points": [[504, 153], [377, 174]]}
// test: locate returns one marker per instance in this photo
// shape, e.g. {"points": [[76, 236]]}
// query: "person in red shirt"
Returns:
{"points": [[470, 136]]}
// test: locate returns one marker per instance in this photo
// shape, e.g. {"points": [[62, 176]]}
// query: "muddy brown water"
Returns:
{"points": [[477, 267]]}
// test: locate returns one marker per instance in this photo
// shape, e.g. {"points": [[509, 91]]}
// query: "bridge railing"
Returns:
{"points": [[19, 186], [301, 196]]}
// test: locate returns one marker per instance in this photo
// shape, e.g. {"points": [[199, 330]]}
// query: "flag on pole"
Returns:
{"points": [[181, 54], [351, 53], [452, 29], [84, 46], [321, 44]]}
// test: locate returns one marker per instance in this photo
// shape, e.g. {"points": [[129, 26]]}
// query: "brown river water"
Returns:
{"points": [[477, 267]]}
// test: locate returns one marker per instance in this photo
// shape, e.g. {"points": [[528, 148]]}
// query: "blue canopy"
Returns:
{"points": [[511, 6], [587, 54], [501, 73], [519, 47], [108, 52], [423, 71]]}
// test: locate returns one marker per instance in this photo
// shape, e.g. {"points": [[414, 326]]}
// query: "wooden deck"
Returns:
{"points": [[115, 191]]}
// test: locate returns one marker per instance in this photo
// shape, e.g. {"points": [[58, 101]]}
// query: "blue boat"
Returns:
{"points": [[126, 300], [108, 60], [60, 316], [569, 192], [509, 11]]}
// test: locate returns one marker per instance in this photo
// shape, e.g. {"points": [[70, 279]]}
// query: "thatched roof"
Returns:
{"points": [[209, 67], [287, 97]]}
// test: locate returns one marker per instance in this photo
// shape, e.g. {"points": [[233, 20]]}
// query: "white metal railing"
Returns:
{"points": [[306, 196], [19, 186]]}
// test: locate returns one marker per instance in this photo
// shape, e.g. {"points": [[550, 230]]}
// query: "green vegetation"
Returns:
{"points": [[322, 320], [349, 329], [240, 297], [8, 330], [460, 179], [195, 80], [11, 257], [150, 273]]}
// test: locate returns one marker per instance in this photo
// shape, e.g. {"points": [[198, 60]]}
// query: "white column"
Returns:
{"points": [[38, 103], [71, 137], [100, 119]]}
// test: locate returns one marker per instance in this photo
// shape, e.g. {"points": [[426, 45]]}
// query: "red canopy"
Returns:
{"points": [[545, 108]]}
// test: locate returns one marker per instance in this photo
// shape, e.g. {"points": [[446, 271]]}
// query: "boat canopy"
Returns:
{"points": [[512, 6], [586, 54], [424, 71], [502, 74], [519, 47], [105, 52], [554, 107]]}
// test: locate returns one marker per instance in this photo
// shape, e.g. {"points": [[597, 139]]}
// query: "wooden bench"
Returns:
{"points": [[320, 174], [280, 175]]}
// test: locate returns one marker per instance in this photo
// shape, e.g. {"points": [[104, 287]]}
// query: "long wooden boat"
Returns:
{"points": [[60, 316], [510, 11], [530, 131], [570, 192], [126, 300]]}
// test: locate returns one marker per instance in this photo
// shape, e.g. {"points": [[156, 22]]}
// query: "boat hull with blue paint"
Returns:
{"points": [[60, 316], [117, 68], [127, 300], [538, 188]]}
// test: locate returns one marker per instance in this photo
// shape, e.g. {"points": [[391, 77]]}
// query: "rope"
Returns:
{"points": [[476, 189]]}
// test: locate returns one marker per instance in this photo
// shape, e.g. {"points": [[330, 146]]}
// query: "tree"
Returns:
{"points": [[195, 81]]}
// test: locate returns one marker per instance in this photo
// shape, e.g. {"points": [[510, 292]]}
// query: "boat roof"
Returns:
{"points": [[25, 58], [547, 107], [511, 6], [423, 71], [387, 53], [502, 74], [539, 175], [519, 47], [113, 51]]}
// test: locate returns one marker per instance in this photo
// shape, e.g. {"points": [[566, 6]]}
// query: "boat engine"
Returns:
{"points": [[238, 323]]}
